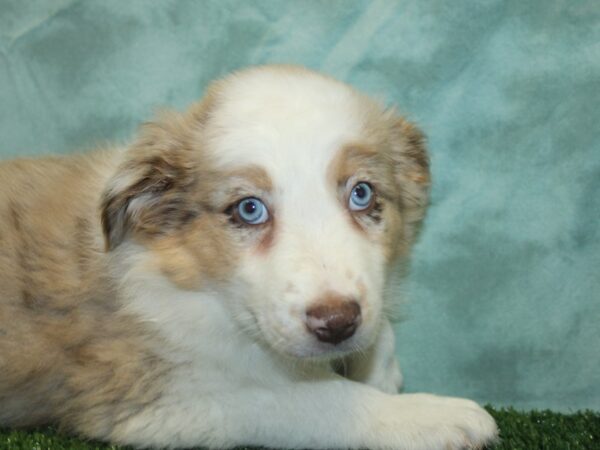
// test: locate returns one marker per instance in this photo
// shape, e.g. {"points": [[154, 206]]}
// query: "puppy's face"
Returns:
{"points": [[287, 190]]}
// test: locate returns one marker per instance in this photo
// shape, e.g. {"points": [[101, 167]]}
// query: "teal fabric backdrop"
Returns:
{"points": [[505, 287]]}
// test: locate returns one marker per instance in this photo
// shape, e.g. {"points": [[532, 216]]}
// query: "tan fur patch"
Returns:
{"points": [[66, 352], [203, 250]]}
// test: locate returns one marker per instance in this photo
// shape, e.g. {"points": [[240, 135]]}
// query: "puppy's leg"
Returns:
{"points": [[332, 413], [378, 366]]}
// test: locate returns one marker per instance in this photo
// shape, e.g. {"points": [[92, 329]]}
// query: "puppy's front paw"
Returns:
{"points": [[428, 422]]}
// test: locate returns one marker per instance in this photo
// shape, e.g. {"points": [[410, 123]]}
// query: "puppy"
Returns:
{"points": [[221, 280]]}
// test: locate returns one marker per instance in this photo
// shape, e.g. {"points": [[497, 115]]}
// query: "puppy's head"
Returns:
{"points": [[287, 191]]}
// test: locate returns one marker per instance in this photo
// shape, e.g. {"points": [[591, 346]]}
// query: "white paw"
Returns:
{"points": [[428, 422]]}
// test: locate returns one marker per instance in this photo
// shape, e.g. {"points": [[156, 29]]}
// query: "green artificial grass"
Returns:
{"points": [[536, 430]]}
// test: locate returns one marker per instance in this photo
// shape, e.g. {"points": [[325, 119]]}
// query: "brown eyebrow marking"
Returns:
{"points": [[349, 160], [353, 159], [255, 175], [234, 184]]}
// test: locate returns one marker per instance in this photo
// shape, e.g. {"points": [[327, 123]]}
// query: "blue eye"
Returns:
{"points": [[252, 211], [361, 197]]}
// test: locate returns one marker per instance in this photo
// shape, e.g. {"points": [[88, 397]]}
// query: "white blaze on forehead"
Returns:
{"points": [[289, 121]]}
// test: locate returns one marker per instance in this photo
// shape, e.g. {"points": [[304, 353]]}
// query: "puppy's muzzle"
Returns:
{"points": [[333, 320]]}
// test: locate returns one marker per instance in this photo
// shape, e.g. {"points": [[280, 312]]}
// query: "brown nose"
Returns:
{"points": [[333, 320]]}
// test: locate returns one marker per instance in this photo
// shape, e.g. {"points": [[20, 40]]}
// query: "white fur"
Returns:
{"points": [[294, 130], [245, 370]]}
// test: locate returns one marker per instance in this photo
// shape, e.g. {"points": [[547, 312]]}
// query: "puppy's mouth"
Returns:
{"points": [[319, 351], [318, 342], [327, 350]]}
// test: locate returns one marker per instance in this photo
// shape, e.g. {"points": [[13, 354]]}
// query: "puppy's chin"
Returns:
{"points": [[308, 348], [320, 351]]}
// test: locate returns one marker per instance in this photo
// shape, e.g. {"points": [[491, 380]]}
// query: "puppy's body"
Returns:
{"points": [[142, 303], [65, 345]]}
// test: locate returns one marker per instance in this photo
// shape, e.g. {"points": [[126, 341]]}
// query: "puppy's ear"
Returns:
{"points": [[411, 171], [150, 193]]}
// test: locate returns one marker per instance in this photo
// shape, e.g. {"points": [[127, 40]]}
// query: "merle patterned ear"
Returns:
{"points": [[411, 170], [149, 194], [131, 194]]}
